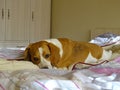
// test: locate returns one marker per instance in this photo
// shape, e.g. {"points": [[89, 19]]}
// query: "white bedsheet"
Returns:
{"points": [[38, 80], [101, 77]]}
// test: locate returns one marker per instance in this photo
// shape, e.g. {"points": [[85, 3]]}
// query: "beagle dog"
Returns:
{"points": [[64, 53]]}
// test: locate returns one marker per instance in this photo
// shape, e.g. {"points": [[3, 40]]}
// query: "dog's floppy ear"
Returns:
{"points": [[27, 56], [54, 54]]}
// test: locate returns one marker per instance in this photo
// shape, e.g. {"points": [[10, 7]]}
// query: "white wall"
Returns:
{"points": [[75, 18]]}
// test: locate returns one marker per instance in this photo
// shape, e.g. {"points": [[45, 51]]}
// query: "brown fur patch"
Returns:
{"points": [[75, 52]]}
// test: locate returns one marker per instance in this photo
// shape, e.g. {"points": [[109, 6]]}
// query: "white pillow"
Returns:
{"points": [[16, 65]]}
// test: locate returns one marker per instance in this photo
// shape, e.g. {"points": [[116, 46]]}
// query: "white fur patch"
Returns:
{"points": [[44, 62], [90, 59], [105, 56], [57, 43]]}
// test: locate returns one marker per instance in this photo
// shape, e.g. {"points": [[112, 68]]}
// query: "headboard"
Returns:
{"points": [[99, 31]]}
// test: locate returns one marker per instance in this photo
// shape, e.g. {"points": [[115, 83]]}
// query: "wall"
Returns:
{"points": [[75, 18]]}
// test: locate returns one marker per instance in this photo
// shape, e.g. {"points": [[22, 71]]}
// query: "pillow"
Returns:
{"points": [[106, 39], [16, 65]]}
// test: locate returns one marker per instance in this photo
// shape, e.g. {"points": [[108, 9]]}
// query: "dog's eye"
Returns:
{"points": [[36, 59], [47, 55]]}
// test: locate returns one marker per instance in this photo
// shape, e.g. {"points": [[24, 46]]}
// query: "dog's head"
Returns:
{"points": [[43, 54]]}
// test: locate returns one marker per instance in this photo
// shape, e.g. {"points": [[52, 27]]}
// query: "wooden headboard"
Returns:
{"points": [[99, 31]]}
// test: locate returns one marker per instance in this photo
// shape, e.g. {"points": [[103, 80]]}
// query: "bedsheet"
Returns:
{"points": [[105, 76], [12, 53], [101, 77], [38, 80]]}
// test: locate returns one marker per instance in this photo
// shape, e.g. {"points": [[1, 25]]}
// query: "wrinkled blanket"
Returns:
{"points": [[101, 77], [38, 80]]}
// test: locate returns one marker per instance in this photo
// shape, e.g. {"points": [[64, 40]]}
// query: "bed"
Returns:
{"points": [[16, 74]]}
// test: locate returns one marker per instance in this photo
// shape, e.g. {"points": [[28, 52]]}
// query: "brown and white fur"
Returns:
{"points": [[64, 53]]}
